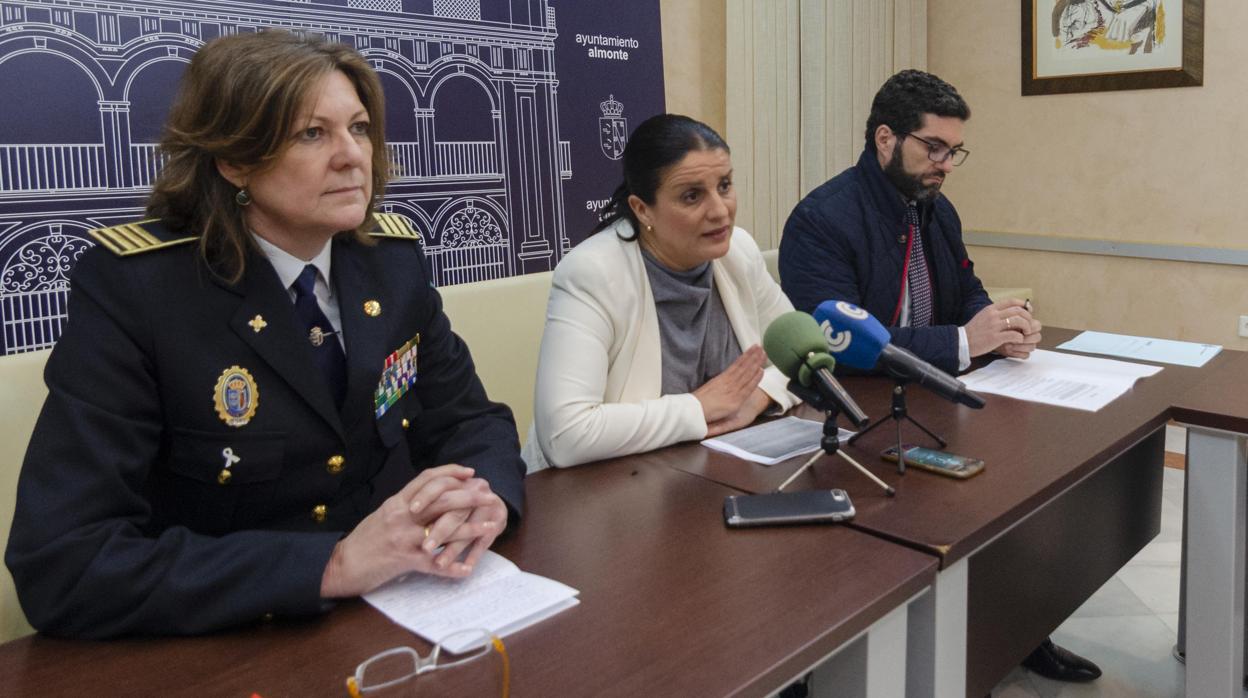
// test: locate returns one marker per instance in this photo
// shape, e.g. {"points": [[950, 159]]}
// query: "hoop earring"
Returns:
{"points": [[243, 197]]}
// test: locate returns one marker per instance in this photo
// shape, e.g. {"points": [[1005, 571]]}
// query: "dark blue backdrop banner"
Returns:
{"points": [[505, 118]]}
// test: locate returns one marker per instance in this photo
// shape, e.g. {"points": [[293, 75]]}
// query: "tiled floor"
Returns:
{"points": [[1128, 627]]}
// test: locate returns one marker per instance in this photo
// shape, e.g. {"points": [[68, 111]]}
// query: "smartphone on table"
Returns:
{"points": [[936, 461], [809, 506]]}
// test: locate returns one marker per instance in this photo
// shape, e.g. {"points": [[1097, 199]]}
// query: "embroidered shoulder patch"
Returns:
{"points": [[393, 225], [138, 237]]}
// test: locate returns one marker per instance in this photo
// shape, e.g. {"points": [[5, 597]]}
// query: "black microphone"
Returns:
{"points": [[795, 345], [859, 340]]}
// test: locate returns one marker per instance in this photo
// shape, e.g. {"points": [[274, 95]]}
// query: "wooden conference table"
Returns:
{"points": [[962, 577], [1066, 498], [672, 603]]}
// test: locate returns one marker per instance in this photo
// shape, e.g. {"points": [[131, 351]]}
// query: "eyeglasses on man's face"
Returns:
{"points": [[939, 152], [395, 666]]}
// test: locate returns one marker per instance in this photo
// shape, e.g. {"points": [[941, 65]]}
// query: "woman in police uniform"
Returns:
{"points": [[257, 404]]}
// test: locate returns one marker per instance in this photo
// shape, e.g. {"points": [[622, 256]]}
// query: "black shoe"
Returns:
{"points": [[1053, 662], [797, 689]]}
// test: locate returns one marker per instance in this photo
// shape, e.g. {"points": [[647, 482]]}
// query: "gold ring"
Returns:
{"points": [[1007, 323], [426, 533]]}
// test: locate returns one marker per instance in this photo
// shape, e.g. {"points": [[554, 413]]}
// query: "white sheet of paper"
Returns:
{"points": [[775, 441], [1066, 380], [1166, 351], [498, 597]]}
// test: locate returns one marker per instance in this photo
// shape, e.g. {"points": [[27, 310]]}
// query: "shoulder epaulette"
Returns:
{"points": [[393, 225], [134, 238]]}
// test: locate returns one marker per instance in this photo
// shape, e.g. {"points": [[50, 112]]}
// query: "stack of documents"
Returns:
{"points": [[1065, 380], [497, 597], [774, 441], [1166, 351]]}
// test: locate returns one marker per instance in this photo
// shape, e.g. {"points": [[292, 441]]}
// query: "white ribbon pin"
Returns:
{"points": [[224, 476]]}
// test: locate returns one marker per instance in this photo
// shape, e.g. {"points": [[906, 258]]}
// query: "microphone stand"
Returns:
{"points": [[898, 413], [830, 443]]}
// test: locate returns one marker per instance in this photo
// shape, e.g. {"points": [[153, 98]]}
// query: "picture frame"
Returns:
{"points": [[1073, 46]]}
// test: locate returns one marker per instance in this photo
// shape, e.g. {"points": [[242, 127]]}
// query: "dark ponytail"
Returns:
{"points": [[616, 208], [658, 143]]}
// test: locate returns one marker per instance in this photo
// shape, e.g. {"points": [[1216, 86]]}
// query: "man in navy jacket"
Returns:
{"points": [[855, 237], [880, 235]]}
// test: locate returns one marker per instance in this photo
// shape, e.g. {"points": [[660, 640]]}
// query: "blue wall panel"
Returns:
{"points": [[505, 118]]}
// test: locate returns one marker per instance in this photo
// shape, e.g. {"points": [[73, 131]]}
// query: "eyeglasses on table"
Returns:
{"points": [[394, 666]]}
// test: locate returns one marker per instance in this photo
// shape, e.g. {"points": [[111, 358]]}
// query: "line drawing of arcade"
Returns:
{"points": [[471, 120]]}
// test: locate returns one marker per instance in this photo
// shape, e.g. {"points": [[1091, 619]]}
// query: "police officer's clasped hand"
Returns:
{"points": [[442, 506]]}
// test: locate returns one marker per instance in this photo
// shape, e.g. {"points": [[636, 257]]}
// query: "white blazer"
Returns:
{"points": [[599, 373]]}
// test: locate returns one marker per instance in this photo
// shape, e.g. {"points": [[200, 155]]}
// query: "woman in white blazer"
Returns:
{"points": [[601, 373]]}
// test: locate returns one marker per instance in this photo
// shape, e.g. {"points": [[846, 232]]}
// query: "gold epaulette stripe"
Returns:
{"points": [[136, 236], [131, 238], [394, 226]]}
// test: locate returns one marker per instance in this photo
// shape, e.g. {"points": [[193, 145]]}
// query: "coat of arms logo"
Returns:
{"points": [[612, 128]]}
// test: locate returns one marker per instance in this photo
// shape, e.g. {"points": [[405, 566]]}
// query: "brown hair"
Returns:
{"points": [[238, 102]]}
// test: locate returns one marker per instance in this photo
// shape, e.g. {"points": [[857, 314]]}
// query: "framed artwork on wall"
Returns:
{"points": [[1100, 45]]}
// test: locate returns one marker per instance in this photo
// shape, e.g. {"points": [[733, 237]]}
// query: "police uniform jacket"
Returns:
{"points": [[847, 241], [124, 522]]}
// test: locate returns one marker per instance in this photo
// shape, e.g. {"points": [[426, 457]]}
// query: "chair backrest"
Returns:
{"points": [[20, 401], [772, 259], [502, 323], [1000, 293]]}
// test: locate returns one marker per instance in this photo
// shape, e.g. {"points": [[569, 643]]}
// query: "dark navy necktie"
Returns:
{"points": [[917, 278], [320, 334]]}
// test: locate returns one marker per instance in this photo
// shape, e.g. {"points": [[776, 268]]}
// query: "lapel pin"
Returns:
{"points": [[257, 323], [372, 308], [317, 336], [230, 459]]}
